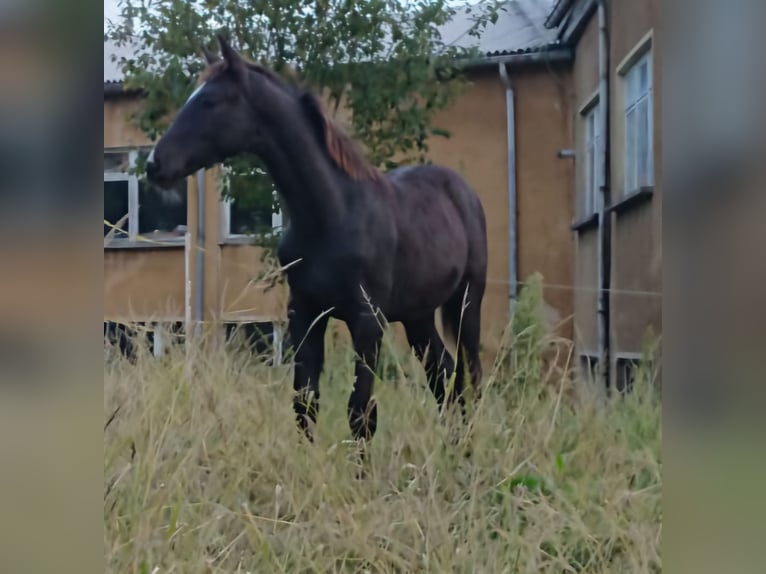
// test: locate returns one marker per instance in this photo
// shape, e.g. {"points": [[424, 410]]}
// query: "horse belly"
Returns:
{"points": [[428, 275]]}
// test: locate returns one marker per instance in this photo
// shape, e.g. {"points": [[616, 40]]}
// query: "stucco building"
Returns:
{"points": [[616, 113], [534, 99]]}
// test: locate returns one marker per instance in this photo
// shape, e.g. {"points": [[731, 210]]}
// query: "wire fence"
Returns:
{"points": [[505, 282]]}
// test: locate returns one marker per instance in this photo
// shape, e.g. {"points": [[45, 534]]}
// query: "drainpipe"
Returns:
{"points": [[604, 219], [511, 134], [200, 271]]}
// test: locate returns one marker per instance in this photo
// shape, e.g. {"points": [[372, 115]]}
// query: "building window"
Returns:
{"points": [[637, 83], [260, 339], [251, 205], [151, 214], [626, 374], [163, 336], [125, 338], [592, 193], [589, 367], [240, 219]]}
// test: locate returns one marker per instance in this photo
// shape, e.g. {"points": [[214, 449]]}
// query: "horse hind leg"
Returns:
{"points": [[461, 316], [430, 350]]}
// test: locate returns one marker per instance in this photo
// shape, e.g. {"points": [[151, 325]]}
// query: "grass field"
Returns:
{"points": [[206, 472]]}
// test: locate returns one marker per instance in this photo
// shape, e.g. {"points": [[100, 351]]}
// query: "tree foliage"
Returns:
{"points": [[384, 59]]}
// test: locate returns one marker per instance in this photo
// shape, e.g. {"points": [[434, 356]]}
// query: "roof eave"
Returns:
{"points": [[548, 55], [116, 88], [573, 30], [557, 14]]}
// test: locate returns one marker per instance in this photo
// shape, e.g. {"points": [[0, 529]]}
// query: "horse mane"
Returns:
{"points": [[342, 149]]}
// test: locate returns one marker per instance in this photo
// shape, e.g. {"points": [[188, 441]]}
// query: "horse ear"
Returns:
{"points": [[232, 58], [210, 58]]}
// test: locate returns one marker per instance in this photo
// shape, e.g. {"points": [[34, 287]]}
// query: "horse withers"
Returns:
{"points": [[371, 247]]}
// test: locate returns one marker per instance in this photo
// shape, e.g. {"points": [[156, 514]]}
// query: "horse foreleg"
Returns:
{"points": [[367, 335], [307, 331]]}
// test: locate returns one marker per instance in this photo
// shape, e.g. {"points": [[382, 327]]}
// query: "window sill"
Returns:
{"points": [[166, 243], [238, 240], [241, 239], [585, 223], [632, 199]]}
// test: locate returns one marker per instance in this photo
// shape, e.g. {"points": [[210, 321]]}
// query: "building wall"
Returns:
{"points": [[636, 231], [636, 278], [585, 86], [145, 283]]}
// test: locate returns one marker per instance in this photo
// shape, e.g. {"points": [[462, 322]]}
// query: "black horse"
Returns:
{"points": [[400, 244]]}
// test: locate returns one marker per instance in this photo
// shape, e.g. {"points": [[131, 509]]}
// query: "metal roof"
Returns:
{"points": [[519, 30], [557, 13]]}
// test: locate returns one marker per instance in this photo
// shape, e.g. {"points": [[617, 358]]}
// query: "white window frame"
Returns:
{"points": [[632, 101], [593, 176], [133, 199], [132, 192]]}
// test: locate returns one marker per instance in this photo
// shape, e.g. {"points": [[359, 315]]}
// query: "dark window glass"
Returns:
{"points": [[161, 210], [116, 205]]}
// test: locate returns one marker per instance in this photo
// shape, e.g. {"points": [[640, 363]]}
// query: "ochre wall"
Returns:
{"points": [[585, 84], [119, 130], [545, 188], [243, 294], [143, 284], [637, 232]]}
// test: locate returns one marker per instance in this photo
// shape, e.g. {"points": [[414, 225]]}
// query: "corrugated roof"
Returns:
{"points": [[520, 29], [520, 26], [112, 72]]}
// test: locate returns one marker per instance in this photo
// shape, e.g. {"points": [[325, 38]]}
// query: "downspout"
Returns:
{"points": [[512, 220], [604, 219], [200, 267]]}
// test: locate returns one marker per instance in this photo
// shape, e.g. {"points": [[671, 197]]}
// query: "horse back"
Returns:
{"points": [[431, 184]]}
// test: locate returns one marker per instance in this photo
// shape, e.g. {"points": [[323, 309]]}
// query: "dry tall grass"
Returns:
{"points": [[207, 473]]}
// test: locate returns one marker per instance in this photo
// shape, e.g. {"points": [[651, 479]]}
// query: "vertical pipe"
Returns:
{"points": [[187, 286], [512, 224], [276, 339], [604, 227], [200, 274]]}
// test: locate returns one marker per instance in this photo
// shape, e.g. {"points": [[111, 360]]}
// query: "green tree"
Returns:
{"points": [[385, 57]]}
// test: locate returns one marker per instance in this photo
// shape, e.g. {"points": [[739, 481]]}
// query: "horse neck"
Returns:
{"points": [[309, 183]]}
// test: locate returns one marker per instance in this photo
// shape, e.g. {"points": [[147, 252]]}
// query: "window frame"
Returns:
{"points": [[276, 353], [631, 103], [591, 184], [593, 361], [132, 180], [133, 203], [624, 362], [226, 236]]}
